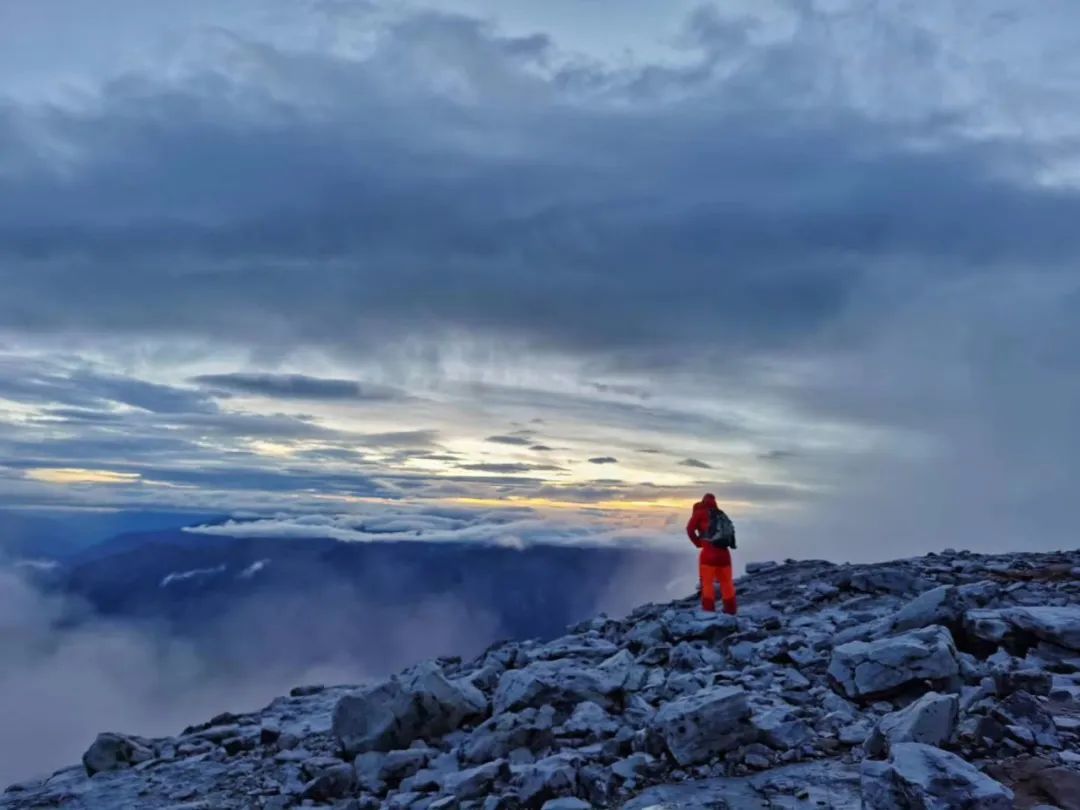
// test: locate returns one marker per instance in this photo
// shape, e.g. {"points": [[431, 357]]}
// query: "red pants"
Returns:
{"points": [[710, 575]]}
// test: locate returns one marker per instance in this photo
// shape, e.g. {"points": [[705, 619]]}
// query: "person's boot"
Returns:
{"points": [[730, 606]]}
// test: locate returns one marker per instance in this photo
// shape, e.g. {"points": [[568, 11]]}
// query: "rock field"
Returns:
{"points": [[946, 681]]}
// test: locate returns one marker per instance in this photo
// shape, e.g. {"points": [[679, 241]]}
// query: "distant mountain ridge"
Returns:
{"points": [[59, 534], [200, 587]]}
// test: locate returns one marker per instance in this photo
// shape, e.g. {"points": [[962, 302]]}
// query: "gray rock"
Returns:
{"points": [[421, 703], [369, 768], [632, 766], [1058, 625], [1021, 709], [866, 670], [588, 647], [313, 766], [780, 728], [697, 727], [332, 783], [504, 801], [423, 781], [622, 672], [444, 704], [931, 719], [531, 729], [646, 634], [474, 783], [695, 656], [405, 801], [1032, 681], [566, 803], [760, 567], [396, 765], [589, 721], [381, 718], [854, 733], [691, 625], [884, 579], [551, 777], [551, 682], [112, 752], [287, 741], [926, 778]]}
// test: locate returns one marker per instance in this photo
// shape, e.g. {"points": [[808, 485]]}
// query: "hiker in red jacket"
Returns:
{"points": [[714, 562]]}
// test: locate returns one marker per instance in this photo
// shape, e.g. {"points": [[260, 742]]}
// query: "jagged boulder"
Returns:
{"points": [[1030, 680], [444, 703], [1027, 720], [113, 752], [588, 646], [1020, 626], [864, 670], [922, 777], [1033, 776], [420, 703], [692, 625], [700, 726], [590, 722], [558, 683], [621, 672], [381, 718], [931, 720], [566, 803], [779, 727], [945, 605], [552, 777], [530, 729], [474, 783], [333, 783]]}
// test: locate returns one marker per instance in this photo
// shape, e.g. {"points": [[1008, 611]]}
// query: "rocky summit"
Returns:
{"points": [[947, 681]]}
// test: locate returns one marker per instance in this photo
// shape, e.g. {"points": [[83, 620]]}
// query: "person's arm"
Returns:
{"points": [[692, 529]]}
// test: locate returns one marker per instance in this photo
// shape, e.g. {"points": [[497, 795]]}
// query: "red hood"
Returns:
{"points": [[709, 500]]}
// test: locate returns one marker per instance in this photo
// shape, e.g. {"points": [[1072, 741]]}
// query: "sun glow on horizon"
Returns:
{"points": [[79, 475]]}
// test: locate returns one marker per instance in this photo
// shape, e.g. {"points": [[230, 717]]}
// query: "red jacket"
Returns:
{"points": [[699, 524]]}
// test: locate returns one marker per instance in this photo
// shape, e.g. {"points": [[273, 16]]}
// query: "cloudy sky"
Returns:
{"points": [[593, 258]]}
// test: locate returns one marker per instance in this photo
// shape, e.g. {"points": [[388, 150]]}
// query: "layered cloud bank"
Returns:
{"points": [[816, 257]]}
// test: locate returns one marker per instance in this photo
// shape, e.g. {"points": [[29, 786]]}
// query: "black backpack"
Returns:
{"points": [[721, 532]]}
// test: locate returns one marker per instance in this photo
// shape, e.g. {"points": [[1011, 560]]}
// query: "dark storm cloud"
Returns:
{"points": [[497, 468], [400, 438], [513, 440], [507, 468], [43, 383], [693, 462], [297, 386], [603, 460], [263, 220]]}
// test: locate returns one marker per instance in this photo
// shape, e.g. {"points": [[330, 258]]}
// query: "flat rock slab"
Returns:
{"points": [[865, 670], [1057, 624], [922, 776], [828, 783], [697, 727]]}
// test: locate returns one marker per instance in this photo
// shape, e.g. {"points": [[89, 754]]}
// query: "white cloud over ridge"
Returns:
{"points": [[197, 573], [508, 528]]}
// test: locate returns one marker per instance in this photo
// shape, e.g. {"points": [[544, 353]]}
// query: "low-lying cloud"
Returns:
{"points": [[69, 673], [509, 527]]}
